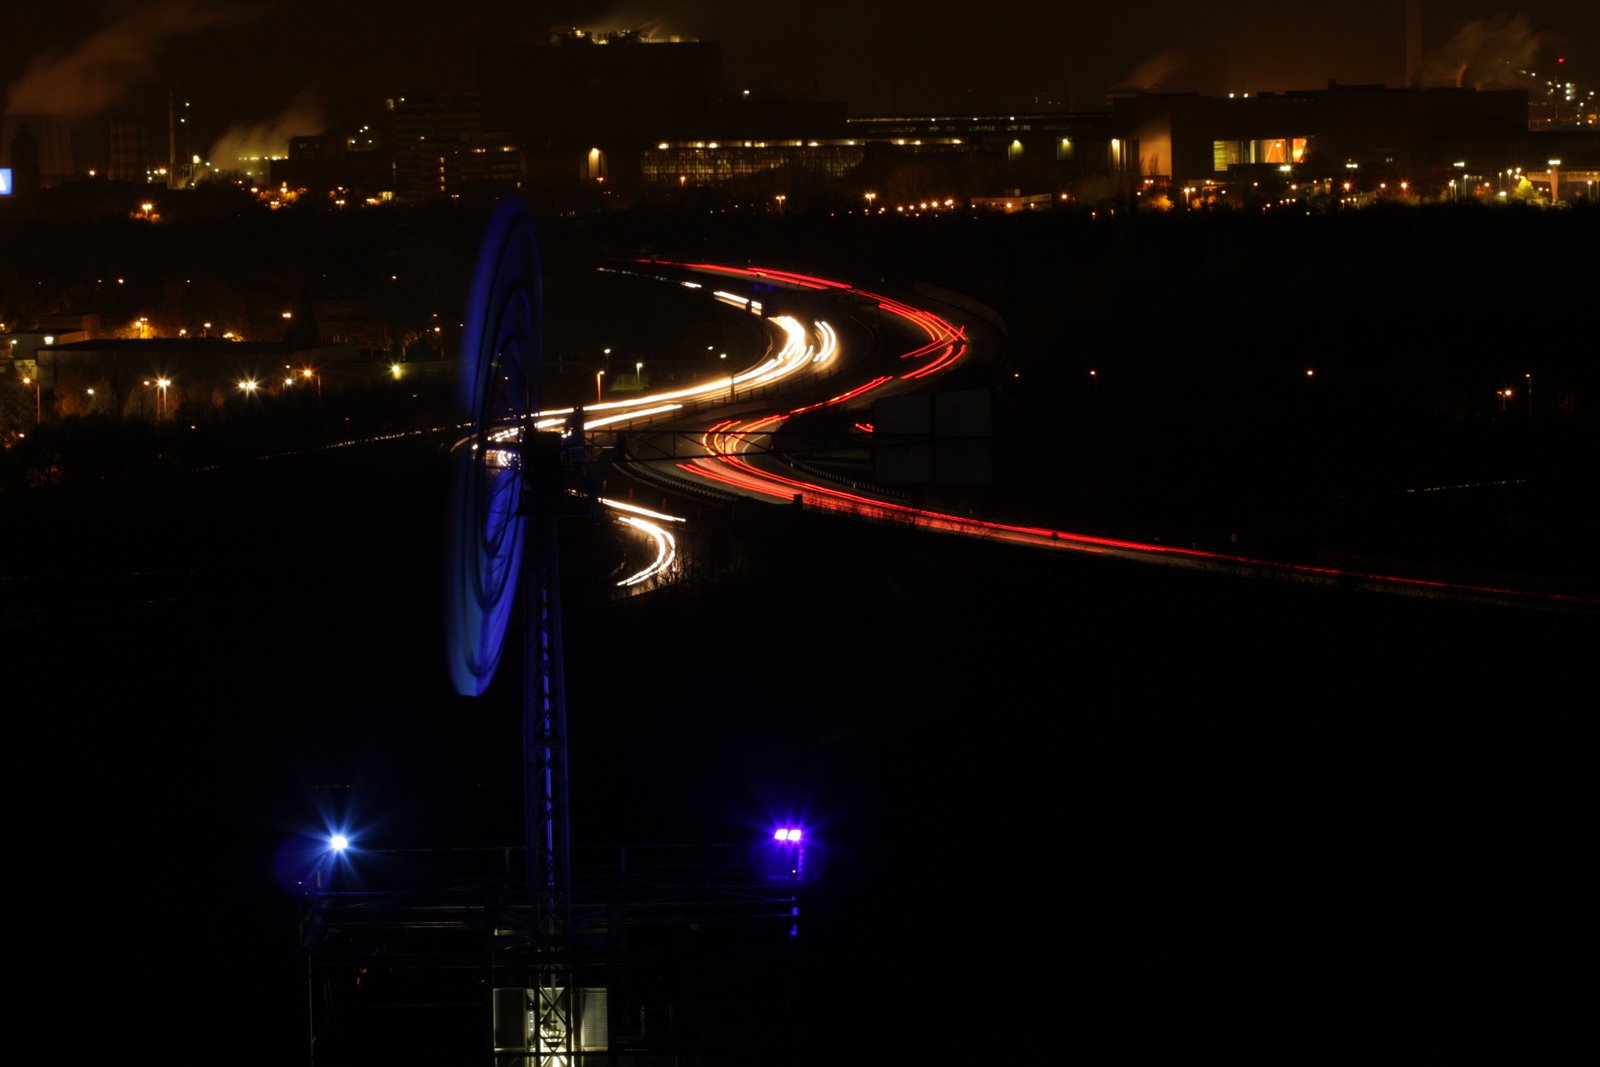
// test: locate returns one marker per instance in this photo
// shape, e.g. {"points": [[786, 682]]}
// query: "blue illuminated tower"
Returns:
{"points": [[502, 554]]}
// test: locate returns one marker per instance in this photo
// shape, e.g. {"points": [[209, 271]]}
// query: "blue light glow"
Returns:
{"points": [[498, 381], [339, 842]]}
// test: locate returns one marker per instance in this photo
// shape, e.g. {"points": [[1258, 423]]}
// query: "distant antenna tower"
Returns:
{"points": [[1413, 43]]}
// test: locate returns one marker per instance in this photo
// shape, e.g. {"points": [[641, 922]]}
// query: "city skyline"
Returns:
{"points": [[258, 63]]}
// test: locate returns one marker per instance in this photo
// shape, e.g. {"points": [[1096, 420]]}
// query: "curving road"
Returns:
{"points": [[717, 437]]}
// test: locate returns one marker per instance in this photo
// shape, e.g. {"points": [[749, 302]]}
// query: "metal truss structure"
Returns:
{"points": [[672, 951]]}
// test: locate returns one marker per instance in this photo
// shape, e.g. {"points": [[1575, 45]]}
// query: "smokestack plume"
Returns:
{"points": [[249, 148], [1149, 75], [1492, 51], [83, 81]]}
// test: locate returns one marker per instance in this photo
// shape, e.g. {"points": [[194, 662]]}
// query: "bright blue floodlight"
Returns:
{"points": [[788, 834], [313, 862]]}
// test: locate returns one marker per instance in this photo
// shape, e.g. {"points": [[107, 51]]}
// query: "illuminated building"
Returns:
{"points": [[427, 145], [1440, 142], [325, 163], [441, 147]]}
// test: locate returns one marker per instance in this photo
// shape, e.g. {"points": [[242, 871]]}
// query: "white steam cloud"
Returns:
{"points": [[247, 147], [1485, 52], [1148, 76], [81, 82]]}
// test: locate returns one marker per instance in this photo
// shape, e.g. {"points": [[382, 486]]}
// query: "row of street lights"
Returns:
{"points": [[599, 377]]}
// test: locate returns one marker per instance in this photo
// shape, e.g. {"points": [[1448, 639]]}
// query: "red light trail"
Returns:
{"points": [[727, 442]]}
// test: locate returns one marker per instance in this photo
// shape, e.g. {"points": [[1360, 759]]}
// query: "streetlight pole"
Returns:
{"points": [[599, 395], [38, 404], [638, 376]]}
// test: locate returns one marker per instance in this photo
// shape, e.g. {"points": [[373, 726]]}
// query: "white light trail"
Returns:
{"points": [[637, 510], [666, 548]]}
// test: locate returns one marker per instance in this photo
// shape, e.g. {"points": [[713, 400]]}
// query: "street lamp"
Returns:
{"points": [[309, 373], [38, 405], [598, 394], [870, 198], [638, 375], [161, 397]]}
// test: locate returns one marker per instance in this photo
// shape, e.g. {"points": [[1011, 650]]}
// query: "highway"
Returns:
{"points": [[715, 438]]}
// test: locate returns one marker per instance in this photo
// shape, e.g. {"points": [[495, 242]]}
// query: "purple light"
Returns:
{"points": [[786, 833], [339, 842]]}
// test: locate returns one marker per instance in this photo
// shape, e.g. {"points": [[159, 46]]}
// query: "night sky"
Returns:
{"points": [[250, 60]]}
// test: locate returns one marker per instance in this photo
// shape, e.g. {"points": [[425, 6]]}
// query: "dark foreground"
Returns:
{"points": [[1066, 805]]}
